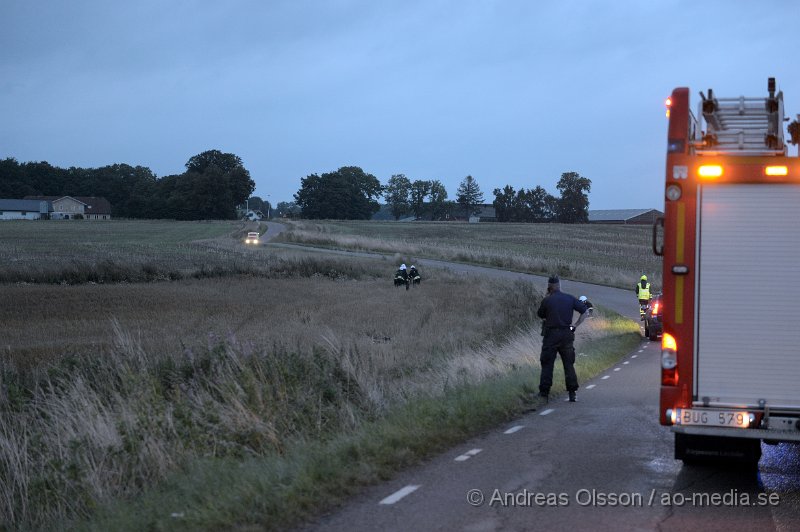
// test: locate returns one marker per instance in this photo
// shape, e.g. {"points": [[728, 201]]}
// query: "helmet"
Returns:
{"points": [[643, 278], [402, 266], [582, 299]]}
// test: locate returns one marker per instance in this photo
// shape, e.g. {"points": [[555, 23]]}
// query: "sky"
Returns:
{"points": [[512, 92]]}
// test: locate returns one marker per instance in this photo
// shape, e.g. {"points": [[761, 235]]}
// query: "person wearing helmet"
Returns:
{"points": [[413, 274], [589, 306], [557, 310], [401, 276], [643, 295]]}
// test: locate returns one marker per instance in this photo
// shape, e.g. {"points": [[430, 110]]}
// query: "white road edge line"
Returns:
{"points": [[627, 362], [590, 386], [467, 455], [604, 377], [617, 369], [399, 494], [548, 411], [514, 429], [641, 351], [634, 356]]}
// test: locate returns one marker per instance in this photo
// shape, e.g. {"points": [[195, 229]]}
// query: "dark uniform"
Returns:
{"points": [[557, 310]]}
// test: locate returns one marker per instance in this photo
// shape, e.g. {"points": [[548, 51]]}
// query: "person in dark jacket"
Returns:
{"points": [[401, 276], [557, 309], [413, 274]]}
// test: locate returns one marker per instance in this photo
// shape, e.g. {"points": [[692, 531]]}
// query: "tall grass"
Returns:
{"points": [[229, 367], [275, 491], [108, 391], [604, 254]]}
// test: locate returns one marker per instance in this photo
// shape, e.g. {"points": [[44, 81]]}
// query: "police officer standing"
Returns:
{"points": [[559, 334]]}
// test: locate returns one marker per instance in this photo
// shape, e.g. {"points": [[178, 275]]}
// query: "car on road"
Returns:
{"points": [[252, 238], [652, 317]]}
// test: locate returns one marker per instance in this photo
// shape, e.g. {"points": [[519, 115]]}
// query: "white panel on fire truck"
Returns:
{"points": [[680, 171], [748, 338]]}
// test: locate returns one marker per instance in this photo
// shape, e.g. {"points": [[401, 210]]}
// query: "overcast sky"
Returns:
{"points": [[511, 92]]}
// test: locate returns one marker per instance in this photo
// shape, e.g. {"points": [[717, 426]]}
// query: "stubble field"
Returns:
{"points": [[613, 255]]}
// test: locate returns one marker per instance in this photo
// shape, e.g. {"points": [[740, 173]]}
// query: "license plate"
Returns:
{"points": [[713, 418]]}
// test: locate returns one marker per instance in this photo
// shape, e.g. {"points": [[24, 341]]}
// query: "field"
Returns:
{"points": [[121, 394], [613, 255]]}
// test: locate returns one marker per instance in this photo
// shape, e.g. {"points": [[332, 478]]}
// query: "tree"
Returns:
{"points": [[537, 205], [504, 202], [346, 194], [288, 209], [236, 178], [419, 190], [794, 133], [573, 206], [256, 203], [469, 195], [397, 193], [437, 197]]}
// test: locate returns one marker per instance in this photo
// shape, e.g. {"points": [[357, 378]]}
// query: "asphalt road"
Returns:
{"points": [[603, 463]]}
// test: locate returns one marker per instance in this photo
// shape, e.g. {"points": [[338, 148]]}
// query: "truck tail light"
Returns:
{"points": [[669, 360]]}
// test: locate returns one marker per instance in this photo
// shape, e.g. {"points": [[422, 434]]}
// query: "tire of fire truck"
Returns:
{"points": [[693, 449]]}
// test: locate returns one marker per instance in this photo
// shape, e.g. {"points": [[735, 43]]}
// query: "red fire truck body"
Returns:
{"points": [[731, 258]]}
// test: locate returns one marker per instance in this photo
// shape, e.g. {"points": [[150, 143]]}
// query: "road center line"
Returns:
{"points": [[590, 386], [604, 377], [634, 356], [627, 362], [467, 455], [617, 369], [641, 351], [399, 494], [548, 411], [514, 429]]}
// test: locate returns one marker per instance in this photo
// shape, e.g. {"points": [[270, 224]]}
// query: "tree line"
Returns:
{"points": [[352, 194], [213, 184]]}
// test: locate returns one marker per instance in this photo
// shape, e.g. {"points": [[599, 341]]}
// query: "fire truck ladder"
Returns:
{"points": [[742, 126]]}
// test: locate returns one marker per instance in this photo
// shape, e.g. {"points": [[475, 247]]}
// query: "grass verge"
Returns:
{"points": [[280, 490]]}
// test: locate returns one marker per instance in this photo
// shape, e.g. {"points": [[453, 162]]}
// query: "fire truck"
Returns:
{"points": [[730, 352]]}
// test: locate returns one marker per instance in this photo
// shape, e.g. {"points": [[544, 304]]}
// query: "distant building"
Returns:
{"points": [[24, 209], [624, 216], [66, 207]]}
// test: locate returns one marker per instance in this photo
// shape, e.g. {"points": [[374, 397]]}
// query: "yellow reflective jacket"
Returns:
{"points": [[643, 292]]}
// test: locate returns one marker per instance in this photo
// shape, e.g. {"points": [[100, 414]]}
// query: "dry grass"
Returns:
{"points": [[130, 381], [605, 254], [107, 389]]}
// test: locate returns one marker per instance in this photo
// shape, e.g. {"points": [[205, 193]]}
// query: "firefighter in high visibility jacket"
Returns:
{"points": [[643, 295]]}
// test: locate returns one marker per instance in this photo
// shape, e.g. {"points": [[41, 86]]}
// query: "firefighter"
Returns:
{"points": [[401, 276], [559, 335], [413, 274], [643, 295]]}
